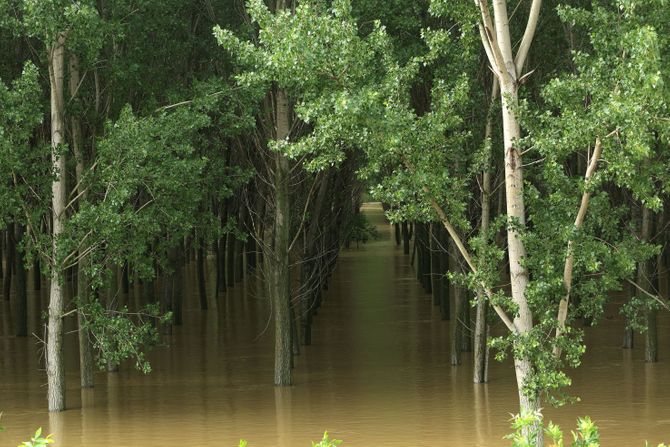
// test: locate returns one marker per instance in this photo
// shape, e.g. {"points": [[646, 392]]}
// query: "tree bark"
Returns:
{"points": [[644, 280], [457, 295], [481, 324], [37, 275], [9, 262], [435, 272], [200, 270], [405, 238], [280, 279], [167, 297], [113, 297], [86, 363], [497, 43], [178, 288], [445, 287], [230, 260], [54, 351], [20, 287]]}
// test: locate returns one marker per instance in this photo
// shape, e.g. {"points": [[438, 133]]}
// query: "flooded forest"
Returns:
{"points": [[338, 222]]}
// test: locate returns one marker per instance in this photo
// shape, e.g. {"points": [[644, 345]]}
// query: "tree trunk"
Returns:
{"points": [[2, 254], [398, 237], [280, 279], [178, 288], [443, 269], [239, 247], [167, 295], [221, 253], [113, 297], [86, 363], [497, 41], [516, 213], [456, 294], [481, 325], [644, 281], [230, 260], [10, 247], [466, 323], [435, 272], [200, 270], [54, 351], [20, 288], [405, 238], [37, 275]]}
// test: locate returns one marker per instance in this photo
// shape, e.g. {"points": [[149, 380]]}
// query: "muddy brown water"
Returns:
{"points": [[377, 375]]}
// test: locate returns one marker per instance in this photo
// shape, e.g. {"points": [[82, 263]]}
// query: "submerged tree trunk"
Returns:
{"points": [[279, 266], [457, 294], [37, 275], [9, 262], [178, 288], [628, 334], [445, 287], [200, 270], [113, 297], [481, 325], [54, 351], [405, 238], [230, 260], [644, 281], [86, 364], [167, 296], [435, 271], [20, 288]]}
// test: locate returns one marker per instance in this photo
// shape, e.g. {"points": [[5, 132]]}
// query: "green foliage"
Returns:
{"points": [[316, 54], [78, 22], [21, 171], [525, 432], [325, 442], [143, 194], [360, 230], [120, 334], [38, 440]]}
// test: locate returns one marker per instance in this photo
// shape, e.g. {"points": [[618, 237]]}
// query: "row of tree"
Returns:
{"points": [[150, 154], [528, 143]]}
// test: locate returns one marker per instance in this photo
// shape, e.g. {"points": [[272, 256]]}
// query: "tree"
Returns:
{"points": [[303, 67]]}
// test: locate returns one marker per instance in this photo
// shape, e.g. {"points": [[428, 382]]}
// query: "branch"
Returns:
{"points": [[490, 42], [570, 258], [528, 35], [465, 253], [655, 297], [304, 212]]}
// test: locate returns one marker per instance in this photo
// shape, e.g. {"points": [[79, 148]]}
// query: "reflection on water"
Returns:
{"points": [[377, 374]]}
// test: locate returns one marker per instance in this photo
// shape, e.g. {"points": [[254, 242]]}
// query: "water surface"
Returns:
{"points": [[377, 374]]}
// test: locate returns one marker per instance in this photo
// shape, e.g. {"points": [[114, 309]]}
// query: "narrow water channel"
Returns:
{"points": [[376, 375]]}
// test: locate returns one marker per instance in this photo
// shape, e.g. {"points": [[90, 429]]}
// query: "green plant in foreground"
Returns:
{"points": [[38, 440], [325, 442], [586, 434]]}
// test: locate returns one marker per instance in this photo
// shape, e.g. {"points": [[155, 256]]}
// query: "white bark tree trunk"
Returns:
{"points": [[496, 39], [54, 352]]}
